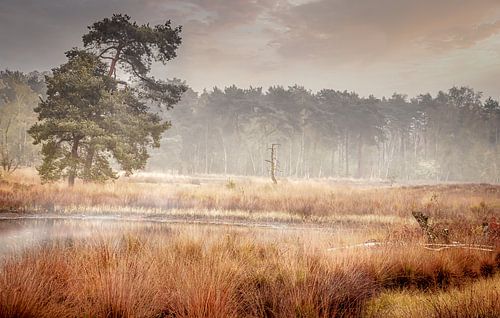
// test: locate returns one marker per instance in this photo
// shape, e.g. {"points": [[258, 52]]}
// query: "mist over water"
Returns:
{"points": [[19, 234]]}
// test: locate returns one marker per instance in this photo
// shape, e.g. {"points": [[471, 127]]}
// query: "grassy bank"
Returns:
{"points": [[209, 272], [144, 269], [303, 200]]}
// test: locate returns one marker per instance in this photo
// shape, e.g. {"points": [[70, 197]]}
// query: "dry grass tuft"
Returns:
{"points": [[152, 270], [297, 201], [218, 273], [481, 299]]}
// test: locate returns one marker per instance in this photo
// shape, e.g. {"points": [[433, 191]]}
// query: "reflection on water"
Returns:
{"points": [[20, 234], [31, 232]]}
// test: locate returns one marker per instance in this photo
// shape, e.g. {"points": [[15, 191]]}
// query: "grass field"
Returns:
{"points": [[305, 261]]}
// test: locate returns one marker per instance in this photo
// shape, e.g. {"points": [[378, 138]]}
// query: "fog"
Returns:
{"points": [[237, 62], [236, 158], [453, 136]]}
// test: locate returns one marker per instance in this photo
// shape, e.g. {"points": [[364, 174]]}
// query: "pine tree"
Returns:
{"points": [[86, 118], [91, 117]]}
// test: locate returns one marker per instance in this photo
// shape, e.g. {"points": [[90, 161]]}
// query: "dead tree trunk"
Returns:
{"points": [[432, 233], [273, 162]]}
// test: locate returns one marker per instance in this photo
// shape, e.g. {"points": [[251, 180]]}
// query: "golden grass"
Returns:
{"points": [[98, 268], [154, 271], [480, 299], [290, 201]]}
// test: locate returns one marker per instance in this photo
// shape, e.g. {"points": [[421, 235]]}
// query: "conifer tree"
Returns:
{"points": [[85, 114], [91, 117]]}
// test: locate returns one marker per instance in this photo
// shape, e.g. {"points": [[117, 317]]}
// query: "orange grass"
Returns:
{"points": [[207, 272], [145, 270]]}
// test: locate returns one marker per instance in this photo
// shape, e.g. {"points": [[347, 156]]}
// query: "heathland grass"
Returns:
{"points": [[153, 271], [290, 200], [480, 299], [294, 266]]}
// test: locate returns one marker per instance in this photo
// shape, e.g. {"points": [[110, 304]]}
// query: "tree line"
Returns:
{"points": [[19, 95], [452, 136]]}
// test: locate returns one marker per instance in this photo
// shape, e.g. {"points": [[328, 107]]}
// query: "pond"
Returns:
{"points": [[21, 232]]}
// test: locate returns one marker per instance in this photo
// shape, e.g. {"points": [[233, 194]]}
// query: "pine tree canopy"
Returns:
{"points": [[134, 48], [92, 121]]}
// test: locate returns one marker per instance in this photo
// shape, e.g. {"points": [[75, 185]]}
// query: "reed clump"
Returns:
{"points": [[220, 272]]}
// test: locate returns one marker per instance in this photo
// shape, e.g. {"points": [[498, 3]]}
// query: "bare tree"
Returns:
{"points": [[273, 162]]}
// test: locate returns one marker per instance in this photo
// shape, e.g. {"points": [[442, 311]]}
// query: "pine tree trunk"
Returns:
{"points": [[360, 157], [74, 157], [206, 151], [341, 157], [347, 153], [332, 162], [88, 164], [112, 68]]}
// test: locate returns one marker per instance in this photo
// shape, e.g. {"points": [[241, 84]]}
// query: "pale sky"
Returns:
{"points": [[368, 46]]}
